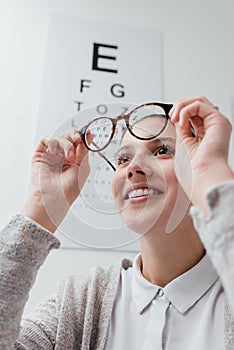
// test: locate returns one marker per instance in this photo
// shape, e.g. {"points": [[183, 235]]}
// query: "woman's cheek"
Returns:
{"points": [[171, 182], [168, 170], [117, 183]]}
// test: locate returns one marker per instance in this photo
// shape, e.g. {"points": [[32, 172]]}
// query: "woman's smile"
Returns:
{"points": [[141, 193]]}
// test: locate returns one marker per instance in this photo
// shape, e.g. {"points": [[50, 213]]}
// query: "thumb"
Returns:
{"points": [[184, 130], [81, 150]]}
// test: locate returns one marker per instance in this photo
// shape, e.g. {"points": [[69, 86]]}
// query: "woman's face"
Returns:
{"points": [[144, 186]]}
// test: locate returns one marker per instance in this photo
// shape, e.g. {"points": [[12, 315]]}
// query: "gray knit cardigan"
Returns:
{"points": [[78, 314]]}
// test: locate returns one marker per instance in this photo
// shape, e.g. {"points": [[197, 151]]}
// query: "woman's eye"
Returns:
{"points": [[164, 150], [122, 158]]}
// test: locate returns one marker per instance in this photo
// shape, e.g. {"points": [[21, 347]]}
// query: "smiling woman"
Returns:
{"points": [[173, 189]]}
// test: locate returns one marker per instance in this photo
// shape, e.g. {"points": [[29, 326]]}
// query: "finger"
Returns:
{"points": [[184, 102], [193, 114], [60, 146], [196, 109], [183, 131], [81, 153], [72, 135], [89, 137], [198, 126], [80, 148], [42, 145]]}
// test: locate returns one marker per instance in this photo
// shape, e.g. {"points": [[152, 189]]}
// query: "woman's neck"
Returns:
{"points": [[167, 256]]}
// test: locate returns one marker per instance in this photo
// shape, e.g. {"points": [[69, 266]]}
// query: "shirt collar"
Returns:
{"points": [[182, 292]]}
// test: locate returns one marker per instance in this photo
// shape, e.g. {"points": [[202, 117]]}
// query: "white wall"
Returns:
{"points": [[198, 59]]}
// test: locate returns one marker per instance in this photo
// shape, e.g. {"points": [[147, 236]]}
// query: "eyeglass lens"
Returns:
{"points": [[138, 121], [102, 129]]}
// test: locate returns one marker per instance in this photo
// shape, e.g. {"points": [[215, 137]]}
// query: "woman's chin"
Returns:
{"points": [[142, 222]]}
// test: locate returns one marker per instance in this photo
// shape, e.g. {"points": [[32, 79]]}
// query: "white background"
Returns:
{"points": [[198, 56]]}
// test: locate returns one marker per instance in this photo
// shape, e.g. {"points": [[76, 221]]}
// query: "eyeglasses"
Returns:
{"points": [[103, 129]]}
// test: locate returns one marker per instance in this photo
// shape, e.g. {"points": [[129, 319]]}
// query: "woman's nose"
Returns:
{"points": [[138, 169]]}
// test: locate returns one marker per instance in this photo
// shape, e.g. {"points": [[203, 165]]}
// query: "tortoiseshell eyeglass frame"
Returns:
{"points": [[165, 106]]}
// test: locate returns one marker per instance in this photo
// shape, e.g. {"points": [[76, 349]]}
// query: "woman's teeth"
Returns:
{"points": [[143, 192]]}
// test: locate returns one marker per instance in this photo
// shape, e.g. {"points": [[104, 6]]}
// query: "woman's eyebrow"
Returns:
{"points": [[162, 139], [121, 149], [152, 143]]}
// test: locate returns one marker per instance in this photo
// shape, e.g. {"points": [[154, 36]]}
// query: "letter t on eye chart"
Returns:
{"points": [[91, 69]]}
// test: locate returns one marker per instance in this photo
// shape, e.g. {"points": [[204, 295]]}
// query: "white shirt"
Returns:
{"points": [[187, 314]]}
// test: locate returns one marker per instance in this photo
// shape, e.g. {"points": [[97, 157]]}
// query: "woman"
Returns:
{"points": [[178, 292]]}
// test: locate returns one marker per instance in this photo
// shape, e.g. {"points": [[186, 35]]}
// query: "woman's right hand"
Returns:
{"points": [[60, 167]]}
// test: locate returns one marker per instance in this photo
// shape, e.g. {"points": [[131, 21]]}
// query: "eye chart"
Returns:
{"points": [[92, 69]]}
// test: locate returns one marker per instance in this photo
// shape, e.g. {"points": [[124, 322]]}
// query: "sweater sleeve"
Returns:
{"points": [[217, 233], [24, 245]]}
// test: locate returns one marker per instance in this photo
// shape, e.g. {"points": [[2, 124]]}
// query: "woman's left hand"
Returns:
{"points": [[201, 161]]}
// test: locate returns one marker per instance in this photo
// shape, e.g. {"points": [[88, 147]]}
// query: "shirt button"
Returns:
{"points": [[160, 292]]}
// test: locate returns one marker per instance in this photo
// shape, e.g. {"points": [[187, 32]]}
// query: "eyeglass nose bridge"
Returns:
{"points": [[118, 118]]}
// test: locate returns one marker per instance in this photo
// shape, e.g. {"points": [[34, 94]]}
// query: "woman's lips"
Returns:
{"points": [[142, 192]]}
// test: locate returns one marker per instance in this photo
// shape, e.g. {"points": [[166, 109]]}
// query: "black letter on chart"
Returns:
{"points": [[82, 85], [79, 103], [119, 92], [96, 56]]}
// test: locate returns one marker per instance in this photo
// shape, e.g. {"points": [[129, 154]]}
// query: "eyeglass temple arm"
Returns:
{"points": [[104, 157], [82, 133]]}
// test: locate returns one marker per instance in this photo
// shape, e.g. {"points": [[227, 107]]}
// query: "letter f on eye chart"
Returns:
{"points": [[91, 66]]}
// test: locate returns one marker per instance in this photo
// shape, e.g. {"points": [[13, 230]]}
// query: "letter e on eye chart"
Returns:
{"points": [[96, 68]]}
